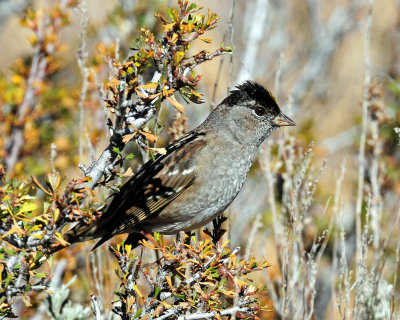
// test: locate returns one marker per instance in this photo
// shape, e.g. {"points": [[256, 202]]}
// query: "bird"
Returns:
{"points": [[199, 175]]}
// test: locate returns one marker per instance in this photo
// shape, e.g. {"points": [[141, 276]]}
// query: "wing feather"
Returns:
{"points": [[154, 187]]}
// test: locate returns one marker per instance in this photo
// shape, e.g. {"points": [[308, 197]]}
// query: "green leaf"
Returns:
{"points": [[129, 156], [7, 281], [156, 292], [159, 128], [40, 275], [152, 155], [215, 274], [180, 296], [170, 12], [116, 150], [264, 288], [138, 313], [191, 7]]}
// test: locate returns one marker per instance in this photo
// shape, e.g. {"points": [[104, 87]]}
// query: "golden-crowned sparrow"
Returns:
{"points": [[198, 177]]}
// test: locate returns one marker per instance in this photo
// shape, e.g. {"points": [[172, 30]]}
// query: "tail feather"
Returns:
{"points": [[101, 241], [84, 232], [133, 239]]}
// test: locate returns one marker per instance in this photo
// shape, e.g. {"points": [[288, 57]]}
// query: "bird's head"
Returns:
{"points": [[251, 113]]}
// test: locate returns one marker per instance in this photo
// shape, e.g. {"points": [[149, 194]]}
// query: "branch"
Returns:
{"points": [[37, 74]]}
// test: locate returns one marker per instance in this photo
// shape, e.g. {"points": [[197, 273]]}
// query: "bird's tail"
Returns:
{"points": [[84, 232], [79, 233]]}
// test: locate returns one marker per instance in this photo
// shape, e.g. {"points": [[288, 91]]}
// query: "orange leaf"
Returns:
{"points": [[113, 83], [149, 136], [128, 172], [148, 86], [15, 229], [128, 137], [141, 95], [151, 96], [166, 92], [158, 150], [37, 183], [146, 132], [146, 244]]}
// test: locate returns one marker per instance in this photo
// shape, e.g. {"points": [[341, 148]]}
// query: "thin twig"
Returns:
{"points": [[82, 57], [363, 137]]}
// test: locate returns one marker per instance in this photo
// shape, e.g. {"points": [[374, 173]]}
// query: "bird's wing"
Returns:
{"points": [[154, 186]]}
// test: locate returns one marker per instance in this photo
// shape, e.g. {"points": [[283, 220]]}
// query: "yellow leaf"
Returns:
{"points": [[166, 92], [206, 40], [60, 239], [28, 207], [174, 38], [176, 104], [56, 213], [17, 79], [137, 291], [169, 281], [169, 26], [36, 228], [229, 293], [225, 243]]}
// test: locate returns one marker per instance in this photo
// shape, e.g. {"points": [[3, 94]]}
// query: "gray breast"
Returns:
{"points": [[219, 188]]}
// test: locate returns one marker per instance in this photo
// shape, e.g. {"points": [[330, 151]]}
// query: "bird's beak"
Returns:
{"points": [[281, 121]]}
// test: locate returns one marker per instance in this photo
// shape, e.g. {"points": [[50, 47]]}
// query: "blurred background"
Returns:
{"points": [[326, 62]]}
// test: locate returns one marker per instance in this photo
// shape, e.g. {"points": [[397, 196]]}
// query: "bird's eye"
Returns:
{"points": [[260, 111]]}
